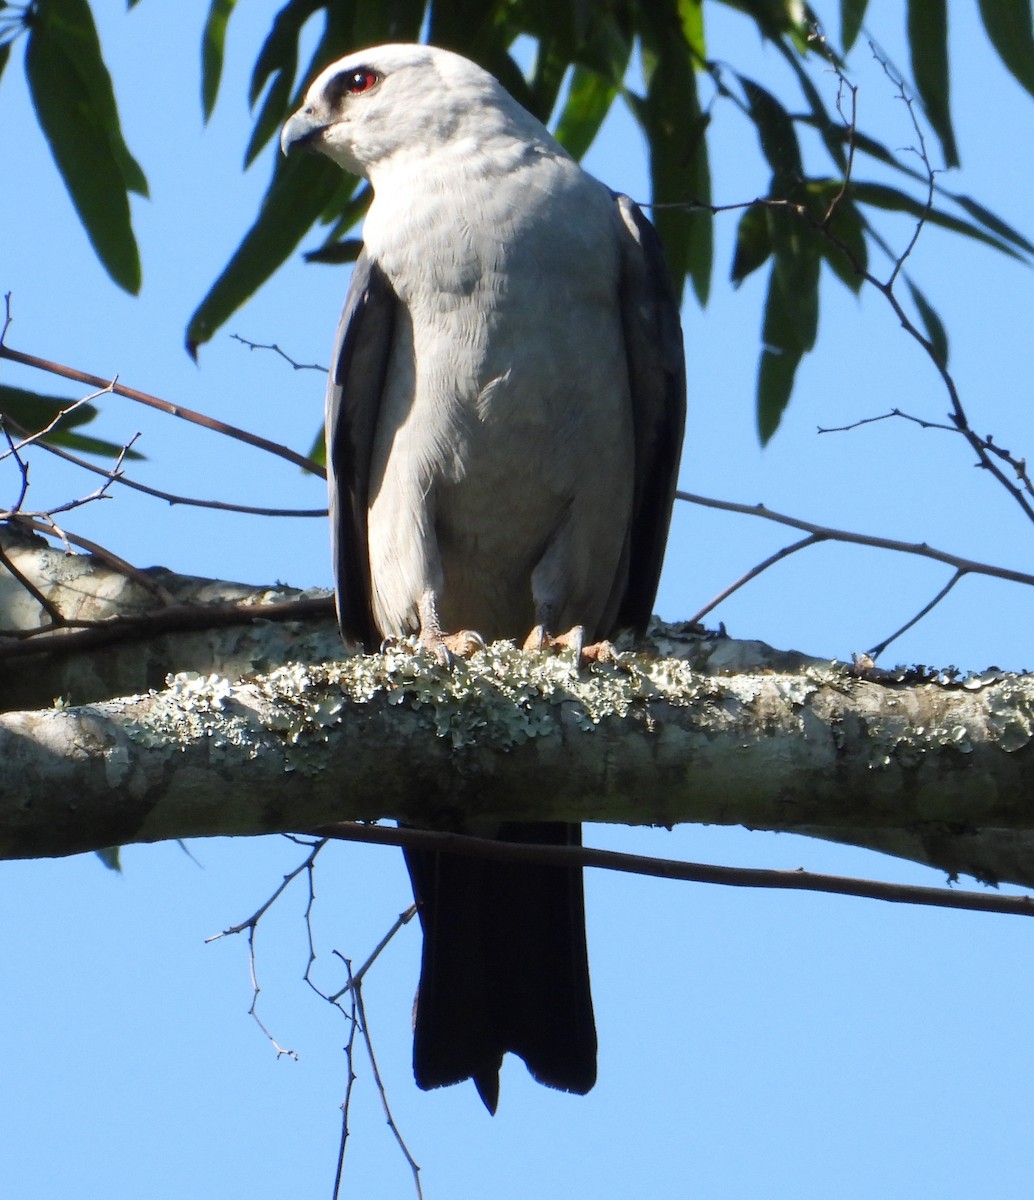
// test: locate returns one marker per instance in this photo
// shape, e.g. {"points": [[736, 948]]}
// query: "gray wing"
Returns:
{"points": [[358, 370], [657, 379]]}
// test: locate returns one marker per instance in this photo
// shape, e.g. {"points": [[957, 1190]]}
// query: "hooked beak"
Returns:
{"points": [[301, 129]]}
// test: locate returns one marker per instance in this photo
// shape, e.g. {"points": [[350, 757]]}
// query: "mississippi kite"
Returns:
{"points": [[504, 423]]}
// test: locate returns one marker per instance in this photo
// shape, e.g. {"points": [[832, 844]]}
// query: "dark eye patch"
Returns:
{"points": [[353, 82]]}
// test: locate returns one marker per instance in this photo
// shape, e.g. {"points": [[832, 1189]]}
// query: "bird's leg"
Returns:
{"points": [[444, 646]]}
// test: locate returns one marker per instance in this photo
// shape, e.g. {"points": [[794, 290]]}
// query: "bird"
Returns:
{"points": [[504, 422]]}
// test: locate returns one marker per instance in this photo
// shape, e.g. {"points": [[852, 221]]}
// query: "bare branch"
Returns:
{"points": [[753, 573], [827, 533], [665, 868], [173, 499], [174, 410], [879, 648], [277, 350]]}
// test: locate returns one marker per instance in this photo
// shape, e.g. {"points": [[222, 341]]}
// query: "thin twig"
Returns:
{"points": [[251, 926], [346, 1103], [174, 410], [663, 868], [879, 648], [42, 600], [107, 556], [364, 1027], [827, 533], [277, 350], [753, 573], [173, 499], [401, 921], [23, 466]]}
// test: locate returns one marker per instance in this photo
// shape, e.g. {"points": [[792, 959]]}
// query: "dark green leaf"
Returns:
{"points": [[278, 58], [279, 51], [791, 314], [993, 223], [1008, 25], [275, 109], [70, 24], [28, 412], [928, 46], [845, 247], [32, 411], [345, 251], [819, 116], [988, 219], [776, 373], [852, 14], [674, 124], [81, 443], [302, 188], [753, 243], [776, 134], [547, 77], [589, 99], [5, 54], [342, 217], [882, 196], [65, 90], [213, 46], [605, 44], [792, 308], [933, 325]]}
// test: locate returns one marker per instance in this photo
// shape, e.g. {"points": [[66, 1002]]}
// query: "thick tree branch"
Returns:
{"points": [[934, 771]]}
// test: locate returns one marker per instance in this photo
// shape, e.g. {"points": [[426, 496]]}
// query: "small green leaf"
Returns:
{"points": [[272, 114], [32, 411], [936, 334], [28, 412], [1009, 26], [589, 99], [990, 221], [71, 91], [882, 196], [5, 54], [776, 134], [279, 51], [776, 373], [213, 46], [335, 253], [852, 14], [302, 188], [278, 59], [791, 317], [547, 77], [691, 17], [753, 244], [845, 248], [928, 45]]}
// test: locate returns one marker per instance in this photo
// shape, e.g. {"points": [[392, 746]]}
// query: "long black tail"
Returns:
{"points": [[504, 968]]}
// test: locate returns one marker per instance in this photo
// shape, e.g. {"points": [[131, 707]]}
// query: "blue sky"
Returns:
{"points": [[750, 1042]]}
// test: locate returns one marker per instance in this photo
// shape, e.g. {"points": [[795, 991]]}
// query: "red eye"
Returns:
{"points": [[360, 80]]}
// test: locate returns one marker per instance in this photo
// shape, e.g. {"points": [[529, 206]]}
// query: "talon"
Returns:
{"points": [[447, 646], [573, 639], [601, 652]]}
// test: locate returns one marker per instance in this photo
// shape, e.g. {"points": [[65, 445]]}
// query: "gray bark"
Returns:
{"points": [[701, 729]]}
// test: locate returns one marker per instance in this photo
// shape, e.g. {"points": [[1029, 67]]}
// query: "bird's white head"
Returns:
{"points": [[402, 101]]}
